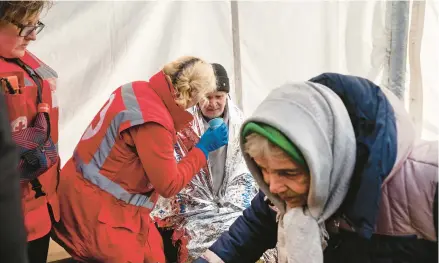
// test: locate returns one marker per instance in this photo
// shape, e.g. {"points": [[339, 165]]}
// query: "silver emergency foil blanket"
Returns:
{"points": [[198, 215]]}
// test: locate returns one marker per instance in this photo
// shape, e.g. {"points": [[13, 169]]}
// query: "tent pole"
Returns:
{"points": [[236, 53], [400, 11]]}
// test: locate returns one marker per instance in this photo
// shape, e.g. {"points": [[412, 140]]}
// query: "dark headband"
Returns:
{"points": [[182, 67]]}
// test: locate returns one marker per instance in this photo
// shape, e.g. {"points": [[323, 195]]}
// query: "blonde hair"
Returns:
{"points": [[192, 79], [257, 146], [21, 11]]}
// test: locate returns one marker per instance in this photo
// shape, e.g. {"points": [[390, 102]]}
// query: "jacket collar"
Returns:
{"points": [[163, 89]]}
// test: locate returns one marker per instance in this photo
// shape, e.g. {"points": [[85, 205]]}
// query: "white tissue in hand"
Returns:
{"points": [[300, 231]]}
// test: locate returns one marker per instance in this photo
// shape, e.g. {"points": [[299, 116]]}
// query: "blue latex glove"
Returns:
{"points": [[212, 140], [200, 260]]}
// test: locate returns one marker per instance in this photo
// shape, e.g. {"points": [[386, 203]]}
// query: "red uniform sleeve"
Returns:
{"points": [[154, 145]]}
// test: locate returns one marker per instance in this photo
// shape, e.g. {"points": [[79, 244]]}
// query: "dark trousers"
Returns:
{"points": [[38, 249], [171, 251], [349, 247]]}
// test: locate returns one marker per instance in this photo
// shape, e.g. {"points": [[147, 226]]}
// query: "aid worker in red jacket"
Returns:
{"points": [[28, 86], [125, 160]]}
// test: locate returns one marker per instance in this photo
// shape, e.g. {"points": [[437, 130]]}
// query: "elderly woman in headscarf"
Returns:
{"points": [[343, 179]]}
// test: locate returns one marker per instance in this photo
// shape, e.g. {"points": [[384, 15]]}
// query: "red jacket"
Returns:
{"points": [[22, 109], [124, 160]]}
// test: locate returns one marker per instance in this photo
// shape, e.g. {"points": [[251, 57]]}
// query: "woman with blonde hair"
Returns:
{"points": [[125, 160], [29, 87]]}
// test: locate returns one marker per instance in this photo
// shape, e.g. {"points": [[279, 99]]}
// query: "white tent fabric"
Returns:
{"points": [[429, 63], [97, 46], [298, 40]]}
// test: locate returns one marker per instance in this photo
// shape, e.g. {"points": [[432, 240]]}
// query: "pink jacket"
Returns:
{"points": [[408, 192]]}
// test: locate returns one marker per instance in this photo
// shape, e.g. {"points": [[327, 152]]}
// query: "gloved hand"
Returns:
{"points": [[200, 260], [212, 140]]}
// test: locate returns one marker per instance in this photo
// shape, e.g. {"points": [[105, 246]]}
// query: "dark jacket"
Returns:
{"points": [[12, 232], [374, 124]]}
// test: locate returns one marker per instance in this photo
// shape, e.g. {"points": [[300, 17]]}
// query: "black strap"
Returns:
{"points": [[8, 85], [36, 185], [435, 213], [35, 77], [38, 81]]}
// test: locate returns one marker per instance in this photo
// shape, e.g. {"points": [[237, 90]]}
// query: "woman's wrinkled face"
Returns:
{"points": [[11, 44], [214, 104], [286, 180]]}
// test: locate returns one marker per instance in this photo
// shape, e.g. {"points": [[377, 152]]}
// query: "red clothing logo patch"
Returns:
{"points": [[19, 124]]}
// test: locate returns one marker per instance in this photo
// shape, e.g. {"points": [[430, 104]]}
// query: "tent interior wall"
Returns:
{"points": [[96, 46]]}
